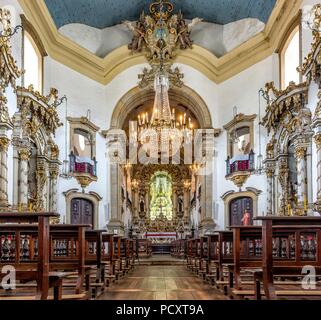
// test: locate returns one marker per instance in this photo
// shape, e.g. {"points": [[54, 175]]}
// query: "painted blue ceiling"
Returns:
{"points": [[105, 13]]}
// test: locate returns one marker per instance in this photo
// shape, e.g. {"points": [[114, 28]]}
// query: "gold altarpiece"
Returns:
{"points": [[33, 126], [288, 121]]}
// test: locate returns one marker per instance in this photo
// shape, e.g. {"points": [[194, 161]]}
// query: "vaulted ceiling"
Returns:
{"points": [[105, 13]]}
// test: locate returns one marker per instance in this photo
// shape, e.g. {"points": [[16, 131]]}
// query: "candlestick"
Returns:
{"points": [[30, 207], [289, 210], [139, 120]]}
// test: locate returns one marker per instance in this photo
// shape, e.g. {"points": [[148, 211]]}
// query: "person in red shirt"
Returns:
{"points": [[246, 220]]}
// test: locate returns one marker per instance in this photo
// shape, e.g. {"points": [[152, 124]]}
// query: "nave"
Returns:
{"points": [[162, 282]]}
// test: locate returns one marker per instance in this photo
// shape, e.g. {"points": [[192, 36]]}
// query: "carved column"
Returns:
{"points": [[270, 175], [186, 203], [317, 139], [4, 143], [24, 155], [147, 201], [300, 153], [207, 223], [174, 196], [54, 172], [115, 224], [135, 196], [283, 175]]}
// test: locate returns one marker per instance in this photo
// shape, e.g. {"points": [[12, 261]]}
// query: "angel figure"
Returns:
{"points": [[194, 22], [138, 31], [184, 32]]}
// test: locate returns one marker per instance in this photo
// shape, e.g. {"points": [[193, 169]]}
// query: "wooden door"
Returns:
{"points": [[82, 211], [237, 209]]}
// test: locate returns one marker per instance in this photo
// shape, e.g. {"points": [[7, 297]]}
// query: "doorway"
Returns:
{"points": [[237, 208], [82, 212]]}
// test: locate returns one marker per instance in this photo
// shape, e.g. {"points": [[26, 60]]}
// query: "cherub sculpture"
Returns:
{"points": [[138, 31]]}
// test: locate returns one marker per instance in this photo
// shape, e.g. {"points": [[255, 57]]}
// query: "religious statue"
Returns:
{"points": [[141, 204], [138, 31], [184, 35]]}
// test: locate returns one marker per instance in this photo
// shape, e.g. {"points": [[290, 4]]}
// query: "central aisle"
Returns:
{"points": [[162, 282]]}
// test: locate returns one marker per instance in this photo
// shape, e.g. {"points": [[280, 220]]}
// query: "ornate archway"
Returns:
{"points": [[124, 196], [137, 96]]}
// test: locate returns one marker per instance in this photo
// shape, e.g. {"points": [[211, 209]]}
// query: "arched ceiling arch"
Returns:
{"points": [[137, 96]]}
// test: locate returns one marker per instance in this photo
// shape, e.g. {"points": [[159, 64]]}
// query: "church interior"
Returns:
{"points": [[160, 150]]}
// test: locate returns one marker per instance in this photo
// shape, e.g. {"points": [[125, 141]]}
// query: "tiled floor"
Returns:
{"points": [[170, 282]]}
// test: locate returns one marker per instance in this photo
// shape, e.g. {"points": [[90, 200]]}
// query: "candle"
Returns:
{"points": [[181, 120], [139, 120], [143, 119]]}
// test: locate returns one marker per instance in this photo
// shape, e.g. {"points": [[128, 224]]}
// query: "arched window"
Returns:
{"points": [[290, 55], [82, 144], [33, 56], [33, 63]]}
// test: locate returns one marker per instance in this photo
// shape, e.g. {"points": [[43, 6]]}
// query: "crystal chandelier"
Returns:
{"points": [[162, 129], [162, 132]]}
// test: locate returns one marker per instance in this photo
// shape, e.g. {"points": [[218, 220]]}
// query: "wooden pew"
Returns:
{"points": [[108, 257], [247, 253], [194, 255], [144, 248], [94, 257], [191, 253], [203, 257], [225, 253], [66, 252], [305, 250], [130, 253], [39, 269], [286, 245], [120, 258], [212, 259]]}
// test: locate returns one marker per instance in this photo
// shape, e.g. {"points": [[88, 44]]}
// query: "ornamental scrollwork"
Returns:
{"points": [[38, 111], [161, 31], [286, 108]]}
